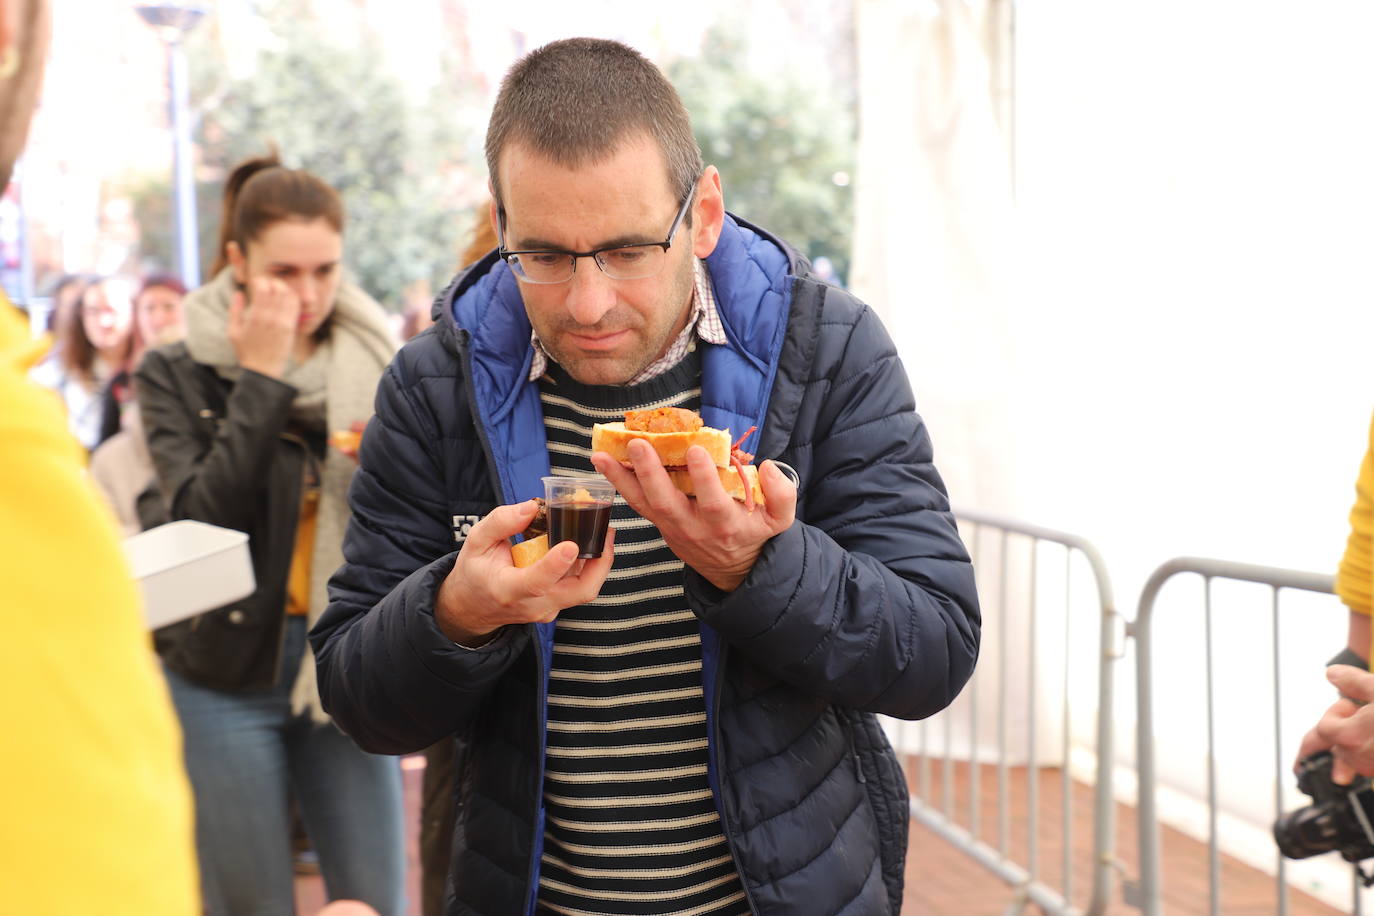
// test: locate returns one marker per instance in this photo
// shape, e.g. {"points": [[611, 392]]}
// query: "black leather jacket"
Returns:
{"points": [[224, 455]]}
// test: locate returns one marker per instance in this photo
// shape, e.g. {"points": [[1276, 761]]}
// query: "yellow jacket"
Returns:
{"points": [[96, 810], [1355, 577]]}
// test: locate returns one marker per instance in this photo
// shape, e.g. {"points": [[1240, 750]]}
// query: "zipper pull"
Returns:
{"points": [[859, 767]]}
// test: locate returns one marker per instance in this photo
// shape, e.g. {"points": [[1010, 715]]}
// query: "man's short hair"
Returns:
{"points": [[575, 101]]}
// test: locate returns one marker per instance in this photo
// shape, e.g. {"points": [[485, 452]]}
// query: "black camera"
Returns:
{"points": [[1339, 818]]}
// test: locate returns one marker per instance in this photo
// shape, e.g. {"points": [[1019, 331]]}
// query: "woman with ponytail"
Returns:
{"points": [[280, 351]]}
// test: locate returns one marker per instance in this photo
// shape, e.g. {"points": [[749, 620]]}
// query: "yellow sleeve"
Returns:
{"points": [[97, 810], [1356, 572]]}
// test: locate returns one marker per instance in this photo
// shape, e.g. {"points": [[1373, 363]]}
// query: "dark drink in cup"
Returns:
{"points": [[579, 511], [584, 525]]}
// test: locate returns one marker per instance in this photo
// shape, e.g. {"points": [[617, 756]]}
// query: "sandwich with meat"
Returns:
{"points": [[671, 431]]}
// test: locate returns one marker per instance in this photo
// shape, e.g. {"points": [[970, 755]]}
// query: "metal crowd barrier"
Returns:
{"points": [[1031, 884], [1150, 886]]}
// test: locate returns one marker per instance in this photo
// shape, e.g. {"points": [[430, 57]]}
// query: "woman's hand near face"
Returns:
{"points": [[263, 330]]}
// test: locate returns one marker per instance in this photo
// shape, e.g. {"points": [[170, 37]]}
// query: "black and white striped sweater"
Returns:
{"points": [[631, 827]]}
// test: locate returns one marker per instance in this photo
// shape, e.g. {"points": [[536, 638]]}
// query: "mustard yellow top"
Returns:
{"points": [[1355, 577], [298, 583], [95, 810]]}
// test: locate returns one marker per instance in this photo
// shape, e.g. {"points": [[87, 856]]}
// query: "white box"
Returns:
{"points": [[188, 567]]}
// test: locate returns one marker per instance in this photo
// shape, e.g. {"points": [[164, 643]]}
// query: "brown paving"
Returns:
{"points": [[943, 881], [940, 879]]}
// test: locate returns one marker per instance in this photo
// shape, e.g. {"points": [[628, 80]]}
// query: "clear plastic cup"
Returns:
{"points": [[579, 511]]}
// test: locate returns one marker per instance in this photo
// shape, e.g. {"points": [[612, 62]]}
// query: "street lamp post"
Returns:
{"points": [[171, 22]]}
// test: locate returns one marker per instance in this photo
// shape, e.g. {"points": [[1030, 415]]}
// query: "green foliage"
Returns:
{"points": [[778, 142], [156, 219], [340, 113]]}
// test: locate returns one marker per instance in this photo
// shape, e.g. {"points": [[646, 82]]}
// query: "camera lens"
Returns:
{"points": [[1307, 832]]}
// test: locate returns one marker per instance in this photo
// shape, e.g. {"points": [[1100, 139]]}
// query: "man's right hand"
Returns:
{"points": [[263, 331], [484, 591]]}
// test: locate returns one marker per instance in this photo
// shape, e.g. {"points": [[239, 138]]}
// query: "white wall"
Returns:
{"points": [[1196, 310], [1182, 362], [1197, 194]]}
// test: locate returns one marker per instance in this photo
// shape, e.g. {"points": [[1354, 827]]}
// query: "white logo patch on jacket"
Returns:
{"points": [[462, 524]]}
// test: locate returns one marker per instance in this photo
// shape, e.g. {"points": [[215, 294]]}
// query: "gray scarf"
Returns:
{"points": [[335, 387]]}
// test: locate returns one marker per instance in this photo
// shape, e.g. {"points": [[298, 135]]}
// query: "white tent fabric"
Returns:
{"points": [[1183, 354], [932, 249], [933, 222]]}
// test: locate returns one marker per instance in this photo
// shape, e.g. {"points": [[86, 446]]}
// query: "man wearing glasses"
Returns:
{"points": [[687, 724]]}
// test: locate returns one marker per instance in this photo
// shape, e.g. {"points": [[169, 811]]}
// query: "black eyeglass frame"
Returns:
{"points": [[504, 254]]}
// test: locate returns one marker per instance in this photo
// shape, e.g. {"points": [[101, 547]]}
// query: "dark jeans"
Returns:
{"points": [[245, 753]]}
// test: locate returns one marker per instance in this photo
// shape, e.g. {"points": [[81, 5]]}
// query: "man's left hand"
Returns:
{"points": [[712, 532]]}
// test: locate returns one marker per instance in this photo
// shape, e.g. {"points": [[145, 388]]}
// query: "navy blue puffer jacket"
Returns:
{"points": [[865, 605]]}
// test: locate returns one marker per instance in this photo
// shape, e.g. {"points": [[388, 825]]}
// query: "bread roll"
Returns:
{"points": [[528, 552], [729, 479], [614, 439]]}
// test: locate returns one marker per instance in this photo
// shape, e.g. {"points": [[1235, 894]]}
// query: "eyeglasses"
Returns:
{"points": [[620, 262]]}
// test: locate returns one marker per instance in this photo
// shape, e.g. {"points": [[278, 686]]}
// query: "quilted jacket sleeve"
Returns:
{"points": [[223, 484], [868, 599], [387, 674]]}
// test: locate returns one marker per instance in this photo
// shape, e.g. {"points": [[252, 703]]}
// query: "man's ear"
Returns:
{"points": [[708, 213], [494, 215]]}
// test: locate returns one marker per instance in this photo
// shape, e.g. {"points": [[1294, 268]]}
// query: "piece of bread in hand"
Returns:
{"points": [[529, 551], [536, 538], [729, 479], [346, 440], [614, 439], [671, 431]]}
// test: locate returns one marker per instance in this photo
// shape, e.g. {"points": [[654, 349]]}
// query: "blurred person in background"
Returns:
{"points": [[49, 371], [97, 344], [483, 240], [97, 811], [64, 296], [158, 315], [280, 352], [121, 465], [94, 343], [157, 319], [416, 319]]}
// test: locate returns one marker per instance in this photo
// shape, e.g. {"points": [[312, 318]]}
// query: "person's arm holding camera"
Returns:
{"points": [[1347, 727]]}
